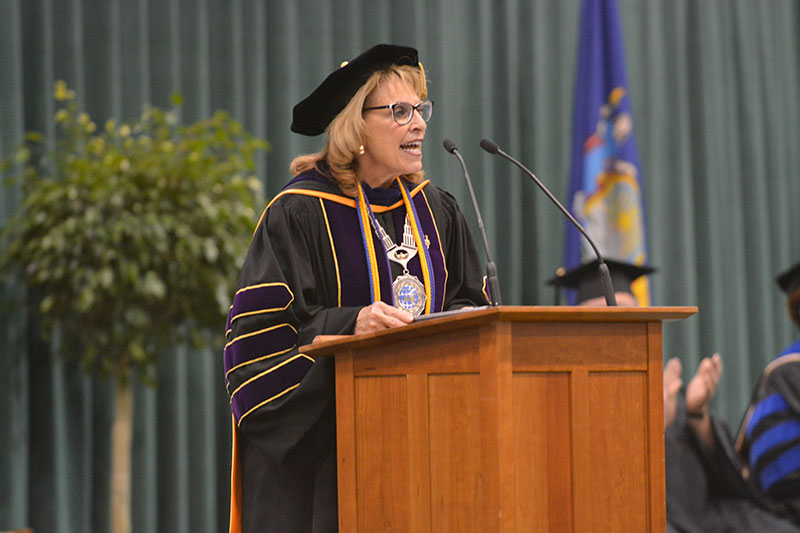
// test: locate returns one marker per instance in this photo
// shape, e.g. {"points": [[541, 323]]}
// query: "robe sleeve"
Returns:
{"points": [[282, 400], [773, 453], [705, 488], [465, 278]]}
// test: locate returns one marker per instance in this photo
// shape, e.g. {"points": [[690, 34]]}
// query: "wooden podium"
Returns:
{"points": [[506, 419]]}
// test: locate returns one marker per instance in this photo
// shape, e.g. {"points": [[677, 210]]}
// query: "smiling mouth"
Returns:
{"points": [[412, 147]]}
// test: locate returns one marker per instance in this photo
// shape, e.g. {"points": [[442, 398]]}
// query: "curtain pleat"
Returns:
{"points": [[14, 384], [715, 94], [145, 460]]}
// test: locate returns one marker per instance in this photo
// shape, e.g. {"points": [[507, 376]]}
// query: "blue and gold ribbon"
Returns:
{"points": [[422, 250], [369, 247]]}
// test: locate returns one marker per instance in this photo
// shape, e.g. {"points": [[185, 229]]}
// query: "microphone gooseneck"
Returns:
{"points": [[491, 270], [605, 276]]}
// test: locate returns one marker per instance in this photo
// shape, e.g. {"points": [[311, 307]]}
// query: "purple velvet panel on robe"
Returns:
{"points": [[266, 385], [269, 297], [271, 342], [351, 257]]}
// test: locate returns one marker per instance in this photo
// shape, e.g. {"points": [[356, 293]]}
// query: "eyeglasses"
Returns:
{"points": [[402, 112]]}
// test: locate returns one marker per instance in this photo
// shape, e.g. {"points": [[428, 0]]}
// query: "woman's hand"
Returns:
{"points": [[380, 316]]}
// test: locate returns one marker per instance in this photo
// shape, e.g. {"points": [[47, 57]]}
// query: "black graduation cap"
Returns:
{"points": [[789, 281], [586, 279], [312, 115]]}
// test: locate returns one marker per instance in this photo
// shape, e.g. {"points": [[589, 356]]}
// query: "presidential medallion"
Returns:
{"points": [[409, 294]]}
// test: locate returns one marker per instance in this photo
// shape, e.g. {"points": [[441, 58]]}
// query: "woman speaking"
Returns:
{"points": [[356, 242]]}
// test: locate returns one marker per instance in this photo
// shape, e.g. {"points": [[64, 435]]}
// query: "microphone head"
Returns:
{"points": [[489, 146], [449, 145]]}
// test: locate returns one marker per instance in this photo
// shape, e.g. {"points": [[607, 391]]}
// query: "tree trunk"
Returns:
{"points": [[121, 459]]}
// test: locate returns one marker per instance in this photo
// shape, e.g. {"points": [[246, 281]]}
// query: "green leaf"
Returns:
{"points": [[138, 353], [210, 250], [86, 299], [106, 277], [46, 304], [153, 285]]}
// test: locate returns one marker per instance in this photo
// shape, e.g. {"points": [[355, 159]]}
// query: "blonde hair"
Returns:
{"points": [[347, 132]]}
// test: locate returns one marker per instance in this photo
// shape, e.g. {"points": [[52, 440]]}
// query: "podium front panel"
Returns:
{"points": [[507, 426]]}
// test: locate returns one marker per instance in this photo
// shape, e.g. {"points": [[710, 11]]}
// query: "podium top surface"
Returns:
{"points": [[506, 313]]}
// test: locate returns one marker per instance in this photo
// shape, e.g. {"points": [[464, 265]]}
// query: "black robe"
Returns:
{"points": [[752, 484], [769, 439], [307, 273], [706, 492]]}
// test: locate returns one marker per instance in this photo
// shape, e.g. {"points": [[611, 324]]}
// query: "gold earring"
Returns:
{"points": [[361, 150]]}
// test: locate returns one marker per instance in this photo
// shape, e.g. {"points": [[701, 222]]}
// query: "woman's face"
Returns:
{"points": [[390, 149]]}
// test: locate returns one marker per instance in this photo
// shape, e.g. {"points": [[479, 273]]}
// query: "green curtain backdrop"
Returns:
{"points": [[715, 89]]}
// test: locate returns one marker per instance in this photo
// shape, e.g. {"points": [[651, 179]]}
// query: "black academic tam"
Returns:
{"points": [[313, 114]]}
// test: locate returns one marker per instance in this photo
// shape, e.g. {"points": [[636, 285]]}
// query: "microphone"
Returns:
{"points": [[605, 276], [491, 269]]}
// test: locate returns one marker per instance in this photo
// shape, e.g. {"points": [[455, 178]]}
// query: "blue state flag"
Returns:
{"points": [[605, 192]]}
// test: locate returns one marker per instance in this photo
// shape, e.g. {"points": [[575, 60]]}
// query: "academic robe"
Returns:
{"points": [[706, 492], [309, 271], [769, 439]]}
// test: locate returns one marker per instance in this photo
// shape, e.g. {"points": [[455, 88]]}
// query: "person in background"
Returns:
{"points": [[585, 280], [706, 481], [356, 242], [768, 441], [753, 484], [706, 491]]}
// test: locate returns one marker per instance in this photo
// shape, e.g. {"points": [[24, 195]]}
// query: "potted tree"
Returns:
{"points": [[129, 237]]}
